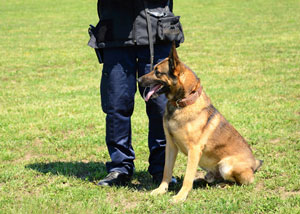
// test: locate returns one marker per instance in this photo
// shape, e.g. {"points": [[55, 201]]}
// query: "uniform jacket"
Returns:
{"points": [[123, 23]]}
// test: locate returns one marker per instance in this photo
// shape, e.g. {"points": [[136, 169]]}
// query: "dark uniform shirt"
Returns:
{"points": [[124, 23]]}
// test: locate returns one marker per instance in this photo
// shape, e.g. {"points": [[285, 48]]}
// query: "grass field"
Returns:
{"points": [[52, 130]]}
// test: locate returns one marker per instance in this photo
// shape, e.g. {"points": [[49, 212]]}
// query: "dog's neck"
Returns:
{"points": [[189, 100], [189, 88]]}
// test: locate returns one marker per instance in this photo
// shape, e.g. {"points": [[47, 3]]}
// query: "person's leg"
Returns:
{"points": [[118, 86], [155, 110]]}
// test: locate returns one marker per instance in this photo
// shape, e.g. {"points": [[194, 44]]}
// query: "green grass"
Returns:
{"points": [[52, 129]]}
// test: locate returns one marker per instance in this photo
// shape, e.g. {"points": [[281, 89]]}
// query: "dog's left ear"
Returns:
{"points": [[173, 57]]}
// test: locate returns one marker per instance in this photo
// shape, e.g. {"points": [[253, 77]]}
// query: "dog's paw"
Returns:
{"points": [[209, 177], [159, 191], [178, 198]]}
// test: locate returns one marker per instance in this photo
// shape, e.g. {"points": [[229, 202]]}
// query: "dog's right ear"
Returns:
{"points": [[173, 57]]}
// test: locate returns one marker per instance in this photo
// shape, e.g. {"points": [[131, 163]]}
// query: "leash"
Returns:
{"points": [[191, 99], [149, 27]]}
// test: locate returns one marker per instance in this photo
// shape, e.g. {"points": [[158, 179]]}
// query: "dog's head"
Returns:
{"points": [[168, 77], [162, 78]]}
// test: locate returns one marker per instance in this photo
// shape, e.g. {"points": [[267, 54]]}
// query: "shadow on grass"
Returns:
{"points": [[143, 181], [202, 183], [91, 171], [95, 171]]}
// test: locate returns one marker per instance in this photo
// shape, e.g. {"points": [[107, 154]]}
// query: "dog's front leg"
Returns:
{"points": [[194, 154], [170, 157]]}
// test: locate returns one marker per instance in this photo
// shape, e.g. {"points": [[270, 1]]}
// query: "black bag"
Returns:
{"points": [[169, 29], [163, 25], [166, 26]]}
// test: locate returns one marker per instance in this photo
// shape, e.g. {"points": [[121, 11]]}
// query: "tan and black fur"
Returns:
{"points": [[198, 130]]}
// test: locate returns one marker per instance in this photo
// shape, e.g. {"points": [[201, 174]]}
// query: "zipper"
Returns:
{"points": [[134, 23], [134, 33]]}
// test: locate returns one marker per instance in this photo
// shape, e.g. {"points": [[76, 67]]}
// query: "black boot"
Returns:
{"points": [[115, 179]]}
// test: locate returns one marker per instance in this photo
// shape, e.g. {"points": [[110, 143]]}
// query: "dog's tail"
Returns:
{"points": [[258, 164]]}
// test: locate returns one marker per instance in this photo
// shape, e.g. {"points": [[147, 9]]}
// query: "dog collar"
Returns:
{"points": [[191, 99]]}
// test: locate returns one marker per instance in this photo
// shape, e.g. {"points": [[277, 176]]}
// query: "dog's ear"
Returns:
{"points": [[173, 57]]}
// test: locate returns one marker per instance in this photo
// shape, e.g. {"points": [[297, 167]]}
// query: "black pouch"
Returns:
{"points": [[93, 43], [167, 26], [169, 29]]}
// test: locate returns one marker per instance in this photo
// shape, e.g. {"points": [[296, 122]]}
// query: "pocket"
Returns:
{"points": [[170, 29], [105, 88]]}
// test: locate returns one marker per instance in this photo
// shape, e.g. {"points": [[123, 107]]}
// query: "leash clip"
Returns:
{"points": [[177, 103]]}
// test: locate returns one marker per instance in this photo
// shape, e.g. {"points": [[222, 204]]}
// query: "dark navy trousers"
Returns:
{"points": [[122, 66]]}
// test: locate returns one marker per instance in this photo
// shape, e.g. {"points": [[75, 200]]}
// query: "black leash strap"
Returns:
{"points": [[149, 35]]}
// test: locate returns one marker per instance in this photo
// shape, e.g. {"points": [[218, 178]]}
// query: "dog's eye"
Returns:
{"points": [[157, 73]]}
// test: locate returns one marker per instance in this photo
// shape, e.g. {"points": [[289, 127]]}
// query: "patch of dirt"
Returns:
{"points": [[130, 204], [260, 186], [100, 149], [285, 194], [73, 134], [275, 141], [68, 134], [27, 158], [37, 142], [124, 204], [288, 194], [91, 126]]}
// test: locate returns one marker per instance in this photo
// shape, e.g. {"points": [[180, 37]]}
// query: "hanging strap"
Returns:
{"points": [[149, 27]]}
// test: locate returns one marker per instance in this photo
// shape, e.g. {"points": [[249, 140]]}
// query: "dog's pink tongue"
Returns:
{"points": [[151, 92]]}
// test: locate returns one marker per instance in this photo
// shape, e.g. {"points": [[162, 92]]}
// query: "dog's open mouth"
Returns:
{"points": [[152, 91]]}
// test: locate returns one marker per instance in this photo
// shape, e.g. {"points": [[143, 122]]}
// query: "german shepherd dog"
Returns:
{"points": [[196, 128]]}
